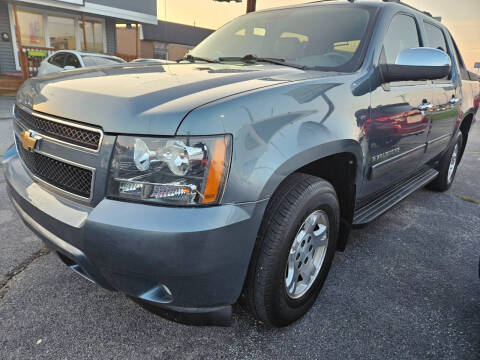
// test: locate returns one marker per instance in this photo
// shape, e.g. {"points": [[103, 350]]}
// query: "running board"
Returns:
{"points": [[387, 200]]}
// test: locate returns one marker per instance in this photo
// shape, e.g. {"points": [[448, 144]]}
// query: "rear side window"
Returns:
{"points": [[58, 59], [99, 61], [402, 34], [435, 37], [461, 65], [72, 60], [89, 61]]}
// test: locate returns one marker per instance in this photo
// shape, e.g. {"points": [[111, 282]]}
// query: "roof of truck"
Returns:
{"points": [[379, 3]]}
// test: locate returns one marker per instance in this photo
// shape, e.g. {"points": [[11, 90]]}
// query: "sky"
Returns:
{"points": [[462, 17]]}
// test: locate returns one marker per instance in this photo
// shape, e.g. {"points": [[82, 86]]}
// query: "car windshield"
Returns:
{"points": [[327, 37]]}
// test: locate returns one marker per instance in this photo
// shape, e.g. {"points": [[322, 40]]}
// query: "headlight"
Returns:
{"points": [[178, 171], [26, 95]]}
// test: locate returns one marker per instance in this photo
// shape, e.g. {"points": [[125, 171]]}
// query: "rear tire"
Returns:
{"points": [[298, 237], [448, 166]]}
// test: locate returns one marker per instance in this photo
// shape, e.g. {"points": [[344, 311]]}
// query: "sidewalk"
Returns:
{"points": [[6, 103], [6, 129]]}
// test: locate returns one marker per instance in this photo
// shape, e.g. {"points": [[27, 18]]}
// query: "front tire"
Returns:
{"points": [[295, 248], [448, 167]]}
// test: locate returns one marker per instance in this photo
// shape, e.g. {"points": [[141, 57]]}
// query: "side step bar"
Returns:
{"points": [[387, 200]]}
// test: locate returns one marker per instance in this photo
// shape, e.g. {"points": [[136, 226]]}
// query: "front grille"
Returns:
{"points": [[64, 176], [68, 133]]}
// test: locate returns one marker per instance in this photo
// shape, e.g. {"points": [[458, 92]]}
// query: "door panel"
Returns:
{"points": [[397, 133], [445, 100], [445, 113], [397, 129]]}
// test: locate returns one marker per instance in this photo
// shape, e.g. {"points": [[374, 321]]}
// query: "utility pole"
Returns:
{"points": [[251, 5], [137, 41], [84, 24]]}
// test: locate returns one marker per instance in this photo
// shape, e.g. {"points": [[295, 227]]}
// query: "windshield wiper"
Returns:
{"points": [[252, 59], [196, 58]]}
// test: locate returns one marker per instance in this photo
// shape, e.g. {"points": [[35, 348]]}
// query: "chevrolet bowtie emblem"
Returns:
{"points": [[29, 139]]}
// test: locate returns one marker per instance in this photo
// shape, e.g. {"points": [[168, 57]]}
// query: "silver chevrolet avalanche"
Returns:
{"points": [[235, 174]]}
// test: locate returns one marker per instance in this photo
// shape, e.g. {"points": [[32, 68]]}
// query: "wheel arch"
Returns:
{"points": [[465, 127], [341, 164]]}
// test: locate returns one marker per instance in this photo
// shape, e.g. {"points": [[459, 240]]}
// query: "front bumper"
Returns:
{"points": [[183, 259]]}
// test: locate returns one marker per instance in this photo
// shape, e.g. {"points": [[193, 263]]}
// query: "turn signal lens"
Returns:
{"points": [[215, 172]]}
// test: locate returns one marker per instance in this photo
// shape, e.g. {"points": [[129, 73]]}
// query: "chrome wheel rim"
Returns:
{"points": [[307, 254], [453, 163]]}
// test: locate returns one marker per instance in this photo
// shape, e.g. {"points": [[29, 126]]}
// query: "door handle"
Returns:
{"points": [[425, 106], [454, 100]]}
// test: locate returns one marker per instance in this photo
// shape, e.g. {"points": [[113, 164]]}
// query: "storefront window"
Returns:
{"points": [[160, 50], [31, 28], [62, 33], [94, 32]]}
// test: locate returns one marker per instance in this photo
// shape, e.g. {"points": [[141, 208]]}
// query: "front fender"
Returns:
{"points": [[308, 156], [281, 129]]}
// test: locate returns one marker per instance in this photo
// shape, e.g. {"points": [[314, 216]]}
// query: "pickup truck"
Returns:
{"points": [[236, 174]]}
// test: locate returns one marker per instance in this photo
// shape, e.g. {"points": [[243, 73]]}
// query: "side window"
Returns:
{"points": [[461, 65], [100, 61], [435, 38], [72, 60], [402, 34], [89, 61], [58, 59]]}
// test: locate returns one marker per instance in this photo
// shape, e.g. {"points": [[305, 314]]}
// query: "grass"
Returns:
{"points": [[468, 199]]}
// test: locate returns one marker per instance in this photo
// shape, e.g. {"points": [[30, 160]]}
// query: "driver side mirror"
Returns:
{"points": [[418, 64]]}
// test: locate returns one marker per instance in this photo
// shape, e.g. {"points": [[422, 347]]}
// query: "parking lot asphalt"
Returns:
{"points": [[406, 287]]}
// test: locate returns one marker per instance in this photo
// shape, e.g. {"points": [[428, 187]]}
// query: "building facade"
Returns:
{"points": [[165, 40], [58, 24]]}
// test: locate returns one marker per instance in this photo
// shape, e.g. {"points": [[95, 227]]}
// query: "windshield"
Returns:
{"points": [[327, 37]]}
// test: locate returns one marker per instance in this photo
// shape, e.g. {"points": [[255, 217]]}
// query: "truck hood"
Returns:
{"points": [[145, 99]]}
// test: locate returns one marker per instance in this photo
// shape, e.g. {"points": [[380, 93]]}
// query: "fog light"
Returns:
{"points": [[165, 192], [130, 188], [174, 192]]}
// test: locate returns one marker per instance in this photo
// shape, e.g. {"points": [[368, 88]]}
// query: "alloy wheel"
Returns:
{"points": [[453, 164], [307, 254]]}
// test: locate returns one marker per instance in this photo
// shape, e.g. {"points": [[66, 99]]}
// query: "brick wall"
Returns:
{"points": [[176, 51]]}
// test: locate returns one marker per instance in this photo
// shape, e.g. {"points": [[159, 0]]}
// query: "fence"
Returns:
{"points": [[31, 57]]}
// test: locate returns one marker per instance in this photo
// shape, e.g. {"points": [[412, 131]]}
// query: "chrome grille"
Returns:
{"points": [[67, 177], [79, 136]]}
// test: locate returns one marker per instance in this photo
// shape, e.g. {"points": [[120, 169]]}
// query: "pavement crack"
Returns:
{"points": [[8, 278]]}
